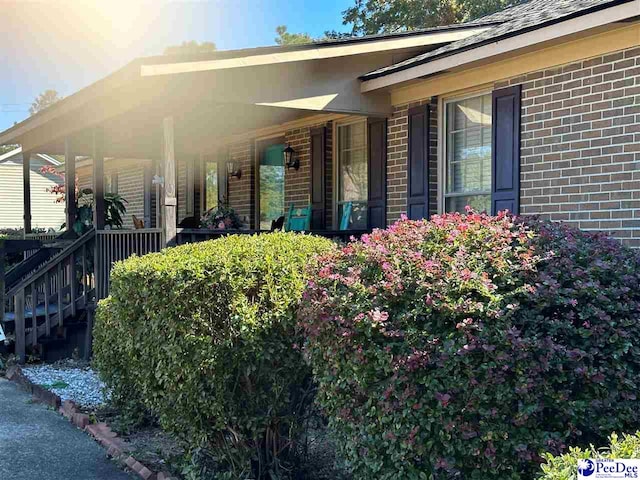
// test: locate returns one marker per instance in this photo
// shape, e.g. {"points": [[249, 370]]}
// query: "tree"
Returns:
{"points": [[190, 48], [7, 148], [286, 38], [44, 100], [381, 16]]}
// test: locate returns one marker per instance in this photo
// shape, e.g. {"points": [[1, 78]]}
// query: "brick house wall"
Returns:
{"points": [[297, 182], [580, 156], [580, 146], [241, 190]]}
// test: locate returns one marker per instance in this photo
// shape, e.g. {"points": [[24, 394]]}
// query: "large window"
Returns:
{"points": [[352, 170], [271, 186], [211, 184], [468, 154]]}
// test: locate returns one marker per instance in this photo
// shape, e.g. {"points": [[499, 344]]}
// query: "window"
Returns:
{"points": [[352, 172], [210, 184], [468, 154], [271, 184]]}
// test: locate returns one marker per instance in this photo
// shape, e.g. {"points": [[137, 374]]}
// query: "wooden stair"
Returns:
{"points": [[53, 291]]}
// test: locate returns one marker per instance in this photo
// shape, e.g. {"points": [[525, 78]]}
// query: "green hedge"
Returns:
{"points": [[203, 337], [565, 467]]}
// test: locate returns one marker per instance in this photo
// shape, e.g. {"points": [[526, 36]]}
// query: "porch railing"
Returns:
{"points": [[116, 245], [43, 237]]}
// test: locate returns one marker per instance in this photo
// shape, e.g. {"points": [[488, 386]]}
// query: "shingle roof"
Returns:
{"points": [[519, 19]]}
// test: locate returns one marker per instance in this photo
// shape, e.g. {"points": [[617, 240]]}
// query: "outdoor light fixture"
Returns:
{"points": [[233, 170], [290, 159]]}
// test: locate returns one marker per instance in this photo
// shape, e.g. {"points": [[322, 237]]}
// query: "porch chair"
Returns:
{"points": [[346, 215], [299, 219], [137, 223]]}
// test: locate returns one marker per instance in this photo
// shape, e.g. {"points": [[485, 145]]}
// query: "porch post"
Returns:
{"points": [[70, 182], [26, 190], [98, 178], [170, 202]]}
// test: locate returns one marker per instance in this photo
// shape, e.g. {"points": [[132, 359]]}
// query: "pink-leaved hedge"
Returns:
{"points": [[467, 346]]}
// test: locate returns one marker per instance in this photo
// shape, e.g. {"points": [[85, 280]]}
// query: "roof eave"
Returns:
{"points": [[615, 12]]}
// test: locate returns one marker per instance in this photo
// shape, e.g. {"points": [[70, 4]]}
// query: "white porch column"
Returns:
{"points": [[169, 200]]}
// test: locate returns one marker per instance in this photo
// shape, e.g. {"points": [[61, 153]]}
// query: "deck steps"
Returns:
{"points": [[59, 280]]}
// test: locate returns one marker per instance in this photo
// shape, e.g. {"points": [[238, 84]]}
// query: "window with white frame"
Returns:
{"points": [[467, 168], [352, 173]]}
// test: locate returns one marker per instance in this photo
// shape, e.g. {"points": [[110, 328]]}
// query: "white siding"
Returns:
{"points": [[44, 211]]}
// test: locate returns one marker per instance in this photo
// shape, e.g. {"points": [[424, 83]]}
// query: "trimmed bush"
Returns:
{"points": [[466, 346], [203, 337], [565, 467]]}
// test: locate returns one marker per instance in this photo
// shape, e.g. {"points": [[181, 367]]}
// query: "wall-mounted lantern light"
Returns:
{"points": [[233, 170], [290, 159]]}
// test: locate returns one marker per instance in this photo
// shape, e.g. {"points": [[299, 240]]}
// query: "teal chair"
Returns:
{"points": [[347, 207], [299, 219]]}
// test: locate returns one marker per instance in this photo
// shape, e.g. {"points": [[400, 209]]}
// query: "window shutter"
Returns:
{"points": [[318, 191], [418, 163], [505, 165], [377, 173]]}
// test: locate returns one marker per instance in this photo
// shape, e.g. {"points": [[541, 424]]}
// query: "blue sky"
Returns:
{"points": [[68, 44]]}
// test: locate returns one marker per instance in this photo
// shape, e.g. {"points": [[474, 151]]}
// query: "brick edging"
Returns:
{"points": [[101, 432]]}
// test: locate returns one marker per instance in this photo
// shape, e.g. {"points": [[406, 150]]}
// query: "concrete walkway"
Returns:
{"points": [[37, 443]]}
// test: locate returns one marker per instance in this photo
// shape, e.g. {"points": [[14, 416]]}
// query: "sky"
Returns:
{"points": [[68, 44]]}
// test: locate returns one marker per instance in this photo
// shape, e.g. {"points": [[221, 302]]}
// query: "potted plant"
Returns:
{"points": [[221, 217]]}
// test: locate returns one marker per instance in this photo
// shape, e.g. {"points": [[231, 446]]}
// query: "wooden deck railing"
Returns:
{"points": [[116, 245], [43, 237], [53, 292]]}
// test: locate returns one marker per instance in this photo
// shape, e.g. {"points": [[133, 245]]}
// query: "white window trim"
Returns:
{"points": [[442, 137], [335, 163]]}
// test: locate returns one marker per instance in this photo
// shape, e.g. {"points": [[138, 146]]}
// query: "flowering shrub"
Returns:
{"points": [[565, 467], [202, 336], [466, 346]]}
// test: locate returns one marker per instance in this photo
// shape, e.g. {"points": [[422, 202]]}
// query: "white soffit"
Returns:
{"points": [[511, 44], [318, 53]]}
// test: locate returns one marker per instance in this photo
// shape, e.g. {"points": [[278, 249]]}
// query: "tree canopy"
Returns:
{"points": [[382, 16], [190, 47], [44, 100], [286, 38]]}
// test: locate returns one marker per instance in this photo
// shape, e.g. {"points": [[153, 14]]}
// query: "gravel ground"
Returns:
{"points": [[70, 381]]}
